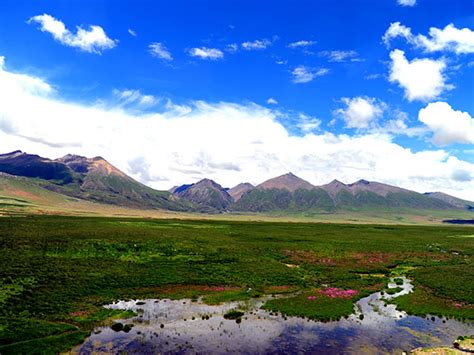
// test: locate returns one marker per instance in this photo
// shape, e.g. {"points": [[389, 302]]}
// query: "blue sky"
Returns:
{"points": [[331, 69]]}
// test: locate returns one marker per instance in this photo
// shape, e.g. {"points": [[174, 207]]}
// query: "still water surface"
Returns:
{"points": [[193, 327]]}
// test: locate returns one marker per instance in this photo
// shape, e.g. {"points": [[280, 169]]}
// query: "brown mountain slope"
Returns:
{"points": [[375, 187], [334, 187], [288, 181], [237, 191], [97, 165]]}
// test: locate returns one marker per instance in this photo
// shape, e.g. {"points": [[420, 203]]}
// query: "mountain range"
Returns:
{"points": [[291, 193], [95, 179]]}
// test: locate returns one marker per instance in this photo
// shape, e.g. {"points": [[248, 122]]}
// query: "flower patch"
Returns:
{"points": [[334, 292]]}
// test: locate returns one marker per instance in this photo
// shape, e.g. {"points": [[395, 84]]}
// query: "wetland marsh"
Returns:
{"points": [[58, 273]]}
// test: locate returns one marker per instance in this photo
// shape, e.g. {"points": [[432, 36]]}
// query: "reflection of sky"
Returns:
{"points": [[383, 328]]}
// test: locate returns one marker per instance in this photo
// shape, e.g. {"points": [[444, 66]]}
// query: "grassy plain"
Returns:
{"points": [[57, 271]]}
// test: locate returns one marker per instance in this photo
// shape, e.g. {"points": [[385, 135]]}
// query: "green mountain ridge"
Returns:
{"points": [[339, 196]]}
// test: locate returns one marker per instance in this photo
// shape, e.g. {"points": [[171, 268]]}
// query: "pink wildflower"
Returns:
{"points": [[311, 298], [334, 292]]}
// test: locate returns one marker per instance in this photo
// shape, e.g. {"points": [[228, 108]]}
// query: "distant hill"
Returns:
{"points": [[365, 193], [96, 180], [237, 191], [207, 194], [454, 201], [90, 179], [34, 166], [335, 187]]}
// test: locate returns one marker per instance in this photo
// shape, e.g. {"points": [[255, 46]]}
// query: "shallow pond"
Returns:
{"points": [[188, 327]]}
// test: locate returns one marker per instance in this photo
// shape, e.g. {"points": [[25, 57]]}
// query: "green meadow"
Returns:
{"points": [[56, 273]]}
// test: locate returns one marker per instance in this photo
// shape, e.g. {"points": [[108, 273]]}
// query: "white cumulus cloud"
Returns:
{"points": [[406, 2], [448, 125], [360, 112], [422, 79], [92, 40], [206, 53], [303, 74], [158, 50], [272, 101], [450, 38]]}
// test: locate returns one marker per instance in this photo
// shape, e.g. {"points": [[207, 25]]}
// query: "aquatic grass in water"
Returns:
{"points": [[393, 291], [233, 314], [398, 281], [317, 307]]}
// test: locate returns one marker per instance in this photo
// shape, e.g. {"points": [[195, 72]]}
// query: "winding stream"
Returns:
{"points": [[188, 327]]}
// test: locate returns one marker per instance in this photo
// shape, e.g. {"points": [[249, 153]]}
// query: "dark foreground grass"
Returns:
{"points": [[57, 272]]}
